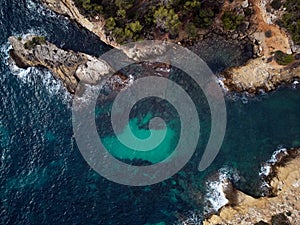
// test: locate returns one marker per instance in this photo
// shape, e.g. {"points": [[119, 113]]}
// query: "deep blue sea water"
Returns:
{"points": [[45, 180]]}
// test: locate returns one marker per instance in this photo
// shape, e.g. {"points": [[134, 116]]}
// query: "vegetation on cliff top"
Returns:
{"points": [[37, 40], [131, 20], [291, 19], [283, 59], [231, 20]]}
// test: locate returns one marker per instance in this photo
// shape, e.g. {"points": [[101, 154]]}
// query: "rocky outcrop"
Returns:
{"points": [[258, 74], [68, 66], [282, 208], [95, 25], [263, 72]]}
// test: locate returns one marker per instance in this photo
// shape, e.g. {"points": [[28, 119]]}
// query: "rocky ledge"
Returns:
{"points": [[73, 68], [258, 74], [282, 207], [68, 66], [68, 8]]}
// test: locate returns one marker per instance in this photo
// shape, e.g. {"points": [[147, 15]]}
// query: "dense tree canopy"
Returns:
{"points": [[231, 20], [127, 20], [291, 19]]}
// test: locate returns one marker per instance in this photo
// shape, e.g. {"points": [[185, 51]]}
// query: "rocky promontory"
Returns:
{"points": [[73, 68], [258, 74], [282, 207], [68, 66], [277, 57]]}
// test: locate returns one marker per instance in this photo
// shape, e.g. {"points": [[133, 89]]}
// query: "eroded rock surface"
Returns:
{"points": [[282, 208], [68, 8], [68, 66], [258, 74]]}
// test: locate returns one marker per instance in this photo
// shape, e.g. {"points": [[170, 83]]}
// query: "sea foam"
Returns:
{"points": [[266, 169], [215, 197]]}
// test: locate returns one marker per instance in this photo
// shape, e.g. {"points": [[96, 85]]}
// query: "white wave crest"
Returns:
{"points": [[215, 197], [33, 75], [38, 7], [192, 219], [266, 167], [220, 81]]}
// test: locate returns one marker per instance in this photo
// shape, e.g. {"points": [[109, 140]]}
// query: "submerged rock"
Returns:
{"points": [[68, 66]]}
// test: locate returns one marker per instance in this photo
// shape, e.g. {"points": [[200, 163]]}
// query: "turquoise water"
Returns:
{"points": [[256, 127], [155, 155]]}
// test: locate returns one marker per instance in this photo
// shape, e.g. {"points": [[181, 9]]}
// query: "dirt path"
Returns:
{"points": [[279, 39]]}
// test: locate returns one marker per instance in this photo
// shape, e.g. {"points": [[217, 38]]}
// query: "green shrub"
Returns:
{"points": [[167, 19], [268, 33], [89, 6], [248, 12], [231, 20], [276, 4], [283, 59], [121, 13], [128, 34], [191, 30], [110, 24], [204, 18], [192, 5], [135, 26], [38, 40], [291, 19], [97, 8], [124, 4]]}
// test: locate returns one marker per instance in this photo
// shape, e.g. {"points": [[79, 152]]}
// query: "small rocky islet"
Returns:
{"points": [[275, 60]]}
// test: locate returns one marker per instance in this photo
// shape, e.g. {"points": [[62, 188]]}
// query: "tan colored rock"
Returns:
{"points": [[257, 74], [68, 8], [68, 66], [248, 210], [92, 70]]}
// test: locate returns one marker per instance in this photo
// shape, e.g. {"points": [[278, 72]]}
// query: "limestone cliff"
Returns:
{"points": [[282, 208], [258, 74], [68, 8], [68, 66]]}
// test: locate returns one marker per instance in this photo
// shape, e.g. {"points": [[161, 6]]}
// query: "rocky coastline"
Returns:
{"points": [[68, 66], [74, 68], [68, 8], [260, 72], [258, 75], [280, 207]]}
